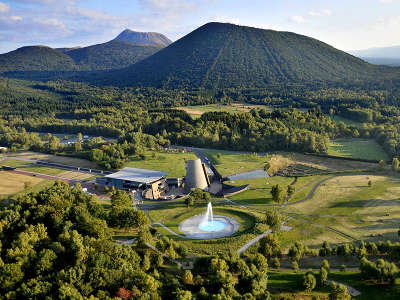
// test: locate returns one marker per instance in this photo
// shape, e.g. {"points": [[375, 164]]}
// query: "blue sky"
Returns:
{"points": [[345, 24]]}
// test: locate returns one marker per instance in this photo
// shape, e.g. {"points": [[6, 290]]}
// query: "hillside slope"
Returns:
{"points": [[111, 55], [36, 58], [219, 55], [146, 38]]}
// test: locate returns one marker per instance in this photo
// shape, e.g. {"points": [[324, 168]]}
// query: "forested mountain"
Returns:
{"points": [[36, 58], [111, 55], [114, 54], [147, 38], [220, 55]]}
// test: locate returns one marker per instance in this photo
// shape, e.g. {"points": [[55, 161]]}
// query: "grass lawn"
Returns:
{"points": [[213, 246], [171, 162], [348, 122], [162, 213], [357, 148], [229, 163], [259, 191], [347, 204], [12, 183], [309, 235], [304, 185], [288, 283], [368, 290], [197, 110]]}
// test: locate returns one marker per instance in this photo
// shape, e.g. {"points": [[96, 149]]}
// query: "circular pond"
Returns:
{"points": [[221, 226], [212, 226]]}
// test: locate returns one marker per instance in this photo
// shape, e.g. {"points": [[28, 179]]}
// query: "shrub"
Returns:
{"points": [[309, 281]]}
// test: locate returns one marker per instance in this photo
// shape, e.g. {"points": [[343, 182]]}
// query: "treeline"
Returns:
{"points": [[70, 108]]}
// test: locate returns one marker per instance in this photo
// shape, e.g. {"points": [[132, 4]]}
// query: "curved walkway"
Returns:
{"points": [[256, 239], [311, 193], [169, 230]]}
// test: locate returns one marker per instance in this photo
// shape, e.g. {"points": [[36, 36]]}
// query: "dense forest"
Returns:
{"points": [[297, 119]]}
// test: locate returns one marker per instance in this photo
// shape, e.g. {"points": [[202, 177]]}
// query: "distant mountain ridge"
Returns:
{"points": [[222, 55], [146, 38], [382, 52], [114, 54], [389, 56]]}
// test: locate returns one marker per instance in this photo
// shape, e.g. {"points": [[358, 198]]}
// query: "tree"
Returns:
{"points": [[188, 278], [120, 199], [339, 292], [124, 294], [275, 262], [309, 281], [146, 263], [325, 250], [270, 247], [395, 164], [183, 295], [369, 183], [381, 165], [54, 143], [80, 137], [296, 252], [325, 264], [278, 193], [290, 190], [267, 167], [323, 276], [273, 219], [295, 266], [189, 201], [77, 147], [27, 185]]}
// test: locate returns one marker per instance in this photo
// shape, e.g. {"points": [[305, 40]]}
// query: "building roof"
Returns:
{"points": [[137, 175]]}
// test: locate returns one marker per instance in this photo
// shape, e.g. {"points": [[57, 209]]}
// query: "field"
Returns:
{"points": [[230, 163], [198, 110], [357, 148], [348, 122], [171, 162], [11, 183], [30, 167], [65, 160], [348, 205]]}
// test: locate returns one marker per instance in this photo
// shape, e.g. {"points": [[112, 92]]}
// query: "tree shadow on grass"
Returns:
{"points": [[367, 203]]}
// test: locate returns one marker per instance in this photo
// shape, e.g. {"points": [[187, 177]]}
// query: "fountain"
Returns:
{"points": [[208, 225]]}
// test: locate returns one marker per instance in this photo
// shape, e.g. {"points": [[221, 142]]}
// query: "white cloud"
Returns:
{"points": [[298, 19], [320, 13], [224, 19], [385, 1], [4, 7], [16, 18]]}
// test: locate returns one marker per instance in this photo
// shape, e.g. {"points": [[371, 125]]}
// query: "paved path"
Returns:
{"points": [[256, 239], [311, 193], [170, 230], [352, 291]]}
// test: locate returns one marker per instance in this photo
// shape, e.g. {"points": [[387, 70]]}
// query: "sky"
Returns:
{"points": [[344, 24]]}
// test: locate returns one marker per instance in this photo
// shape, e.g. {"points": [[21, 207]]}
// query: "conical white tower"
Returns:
{"points": [[195, 176]]}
